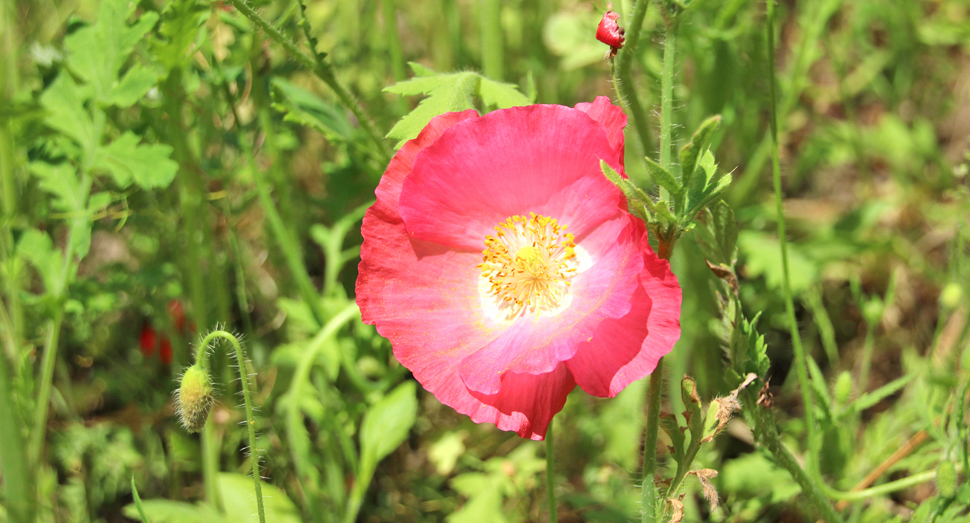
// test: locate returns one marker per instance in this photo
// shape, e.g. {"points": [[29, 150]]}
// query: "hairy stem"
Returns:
{"points": [[551, 476], [666, 94], [623, 76], [650, 494], [203, 360], [322, 70], [18, 485]]}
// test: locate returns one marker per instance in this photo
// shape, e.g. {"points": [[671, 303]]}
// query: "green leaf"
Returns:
{"points": [[305, 108], [239, 498], [386, 425], [97, 53], [636, 198], [165, 511], [38, 249], [445, 93], [663, 178], [725, 231], [181, 27], [62, 181], [697, 146], [64, 102], [132, 87], [150, 166], [501, 95]]}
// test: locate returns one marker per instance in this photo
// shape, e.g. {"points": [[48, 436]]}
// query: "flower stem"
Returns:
{"points": [[623, 76], [551, 476], [322, 70], [666, 93], [492, 38], [650, 494], [202, 357], [801, 364]]}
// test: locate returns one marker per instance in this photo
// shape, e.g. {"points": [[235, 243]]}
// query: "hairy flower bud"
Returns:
{"points": [[194, 398], [610, 33]]}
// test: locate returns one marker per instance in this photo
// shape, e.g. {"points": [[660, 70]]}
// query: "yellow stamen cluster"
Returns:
{"points": [[529, 263]]}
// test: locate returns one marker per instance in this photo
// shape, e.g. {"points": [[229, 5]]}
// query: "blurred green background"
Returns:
{"points": [[220, 182]]}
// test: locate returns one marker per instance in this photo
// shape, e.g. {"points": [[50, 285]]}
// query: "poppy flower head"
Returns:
{"points": [[505, 268]]}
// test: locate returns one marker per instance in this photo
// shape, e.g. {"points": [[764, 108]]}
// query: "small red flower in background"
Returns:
{"points": [[177, 313], [610, 33], [148, 340], [165, 351], [505, 268]]}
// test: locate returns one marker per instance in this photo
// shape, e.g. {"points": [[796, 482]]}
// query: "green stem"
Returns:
{"points": [[551, 476], [492, 39], [623, 76], [767, 433], [801, 365], [210, 466], [650, 494], [393, 40], [39, 432], [202, 359], [867, 357], [880, 490], [666, 94], [322, 70]]}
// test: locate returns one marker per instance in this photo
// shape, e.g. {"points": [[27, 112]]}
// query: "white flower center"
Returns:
{"points": [[527, 266]]}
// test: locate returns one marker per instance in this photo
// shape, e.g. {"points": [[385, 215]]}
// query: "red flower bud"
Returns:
{"points": [[610, 33], [165, 351], [148, 340]]}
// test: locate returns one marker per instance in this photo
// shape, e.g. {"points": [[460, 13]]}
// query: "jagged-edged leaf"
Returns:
{"points": [[38, 249], [725, 231], [663, 178], [445, 93], [636, 198], [149, 166], [64, 104], [61, 180], [181, 27], [136, 82], [97, 52], [501, 95], [690, 153], [305, 108]]}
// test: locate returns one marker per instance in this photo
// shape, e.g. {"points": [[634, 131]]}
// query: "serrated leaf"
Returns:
{"points": [[38, 249], [62, 181], [501, 95], [386, 425], [693, 150], [725, 231], [132, 87], [420, 70], [64, 103], [150, 166], [181, 27], [636, 198], [446, 93], [97, 53], [663, 178]]}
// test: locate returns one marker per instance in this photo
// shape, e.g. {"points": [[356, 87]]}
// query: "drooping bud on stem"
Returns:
{"points": [[610, 33], [194, 398]]}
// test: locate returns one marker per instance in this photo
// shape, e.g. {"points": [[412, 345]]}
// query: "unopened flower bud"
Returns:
{"points": [[946, 479], [610, 33], [843, 387], [194, 398]]}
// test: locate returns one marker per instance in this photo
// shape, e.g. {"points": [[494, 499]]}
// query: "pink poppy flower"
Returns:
{"points": [[505, 268]]}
